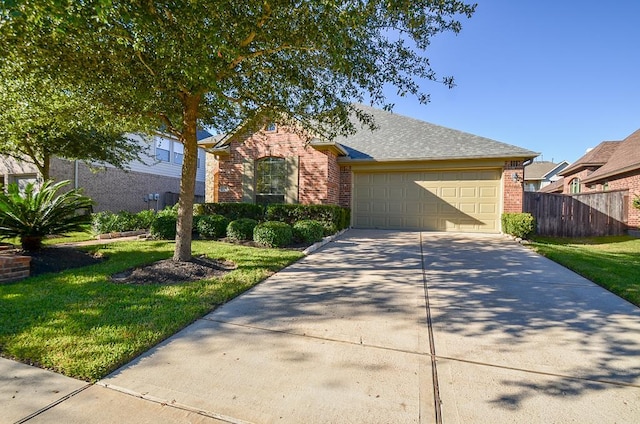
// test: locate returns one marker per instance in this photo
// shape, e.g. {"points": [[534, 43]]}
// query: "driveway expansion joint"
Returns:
{"points": [[53, 404], [327, 339], [172, 404]]}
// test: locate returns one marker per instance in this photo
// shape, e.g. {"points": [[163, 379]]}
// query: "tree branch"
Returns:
{"points": [[263, 20]]}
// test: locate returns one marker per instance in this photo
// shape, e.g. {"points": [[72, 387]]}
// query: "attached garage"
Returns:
{"points": [[443, 200]]}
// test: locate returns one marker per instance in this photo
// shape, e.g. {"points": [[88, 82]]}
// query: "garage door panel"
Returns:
{"points": [[440, 201], [449, 192], [488, 208], [469, 208]]}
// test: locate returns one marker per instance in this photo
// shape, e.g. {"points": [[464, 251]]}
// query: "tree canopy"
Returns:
{"points": [[225, 62], [40, 119]]}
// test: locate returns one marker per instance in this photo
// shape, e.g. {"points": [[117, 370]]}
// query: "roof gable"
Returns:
{"points": [[595, 157], [543, 169], [399, 137], [625, 158]]}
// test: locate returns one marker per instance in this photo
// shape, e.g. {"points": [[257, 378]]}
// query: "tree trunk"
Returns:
{"points": [[189, 139], [45, 171]]}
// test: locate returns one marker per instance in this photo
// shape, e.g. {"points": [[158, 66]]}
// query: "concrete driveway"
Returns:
{"points": [[344, 335]]}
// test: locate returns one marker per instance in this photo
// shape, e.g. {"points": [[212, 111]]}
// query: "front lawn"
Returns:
{"points": [[611, 262], [81, 324]]}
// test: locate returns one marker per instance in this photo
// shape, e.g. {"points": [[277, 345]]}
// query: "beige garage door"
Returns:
{"points": [[465, 201]]}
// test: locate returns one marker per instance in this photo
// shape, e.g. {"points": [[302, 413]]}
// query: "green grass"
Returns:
{"points": [[611, 262], [82, 325], [72, 237]]}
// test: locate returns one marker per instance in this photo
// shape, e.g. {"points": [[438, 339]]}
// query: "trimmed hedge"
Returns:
{"points": [[308, 230], [518, 224], [164, 227], [241, 229], [273, 234], [333, 218], [232, 211], [212, 226]]}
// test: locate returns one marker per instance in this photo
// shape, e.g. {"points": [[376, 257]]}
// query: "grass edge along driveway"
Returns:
{"points": [[80, 324], [612, 262]]}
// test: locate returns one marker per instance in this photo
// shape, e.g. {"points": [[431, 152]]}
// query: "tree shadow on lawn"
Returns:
{"points": [[80, 323]]}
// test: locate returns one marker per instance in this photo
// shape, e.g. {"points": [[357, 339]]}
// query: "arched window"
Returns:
{"points": [[271, 179], [574, 186]]}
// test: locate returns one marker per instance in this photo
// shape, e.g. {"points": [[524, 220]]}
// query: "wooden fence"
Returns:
{"points": [[579, 215]]}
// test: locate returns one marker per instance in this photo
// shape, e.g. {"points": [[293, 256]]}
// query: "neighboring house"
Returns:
{"points": [[153, 182], [407, 174], [612, 165], [556, 187], [539, 174]]}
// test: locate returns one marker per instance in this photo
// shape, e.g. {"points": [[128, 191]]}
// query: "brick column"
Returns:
{"points": [[513, 190]]}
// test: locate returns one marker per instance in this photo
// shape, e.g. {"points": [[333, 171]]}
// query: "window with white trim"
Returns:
{"points": [[574, 186], [163, 149], [178, 153]]}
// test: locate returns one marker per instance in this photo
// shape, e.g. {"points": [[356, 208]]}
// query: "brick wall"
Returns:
{"points": [[14, 267], [513, 191], [345, 187], [319, 175]]}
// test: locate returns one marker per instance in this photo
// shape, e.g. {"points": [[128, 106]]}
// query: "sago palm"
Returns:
{"points": [[34, 214]]}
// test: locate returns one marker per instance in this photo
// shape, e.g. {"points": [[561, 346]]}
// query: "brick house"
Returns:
{"points": [[612, 165], [407, 174], [152, 182]]}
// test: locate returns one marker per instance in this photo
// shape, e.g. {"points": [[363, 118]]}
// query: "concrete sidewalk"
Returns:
{"points": [[342, 336]]}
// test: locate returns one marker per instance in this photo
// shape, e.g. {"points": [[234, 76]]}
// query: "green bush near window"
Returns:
{"points": [[518, 224], [308, 230], [331, 216], [636, 202], [273, 234], [164, 227], [231, 211], [212, 226], [241, 229]]}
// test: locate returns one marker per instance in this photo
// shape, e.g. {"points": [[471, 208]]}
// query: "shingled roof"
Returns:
{"points": [[555, 187], [399, 137], [539, 170], [595, 157], [625, 158]]}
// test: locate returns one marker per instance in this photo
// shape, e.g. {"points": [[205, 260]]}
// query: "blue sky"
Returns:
{"points": [[555, 77]]}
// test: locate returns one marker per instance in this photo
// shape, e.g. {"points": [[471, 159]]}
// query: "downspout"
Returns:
{"points": [[75, 174]]}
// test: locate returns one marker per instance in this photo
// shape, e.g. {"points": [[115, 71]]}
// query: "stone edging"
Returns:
{"points": [[120, 234], [322, 242]]}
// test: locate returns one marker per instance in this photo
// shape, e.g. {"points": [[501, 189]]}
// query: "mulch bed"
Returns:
{"points": [[57, 259], [169, 271]]}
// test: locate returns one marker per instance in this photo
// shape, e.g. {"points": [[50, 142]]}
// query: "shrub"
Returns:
{"points": [[108, 222], [212, 226], [273, 234], [231, 211], [33, 214], [241, 229], [103, 222], [164, 227], [169, 211], [144, 219], [308, 230], [518, 224], [330, 216]]}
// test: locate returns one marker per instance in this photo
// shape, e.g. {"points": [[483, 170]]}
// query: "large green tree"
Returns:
{"points": [[40, 119], [225, 62]]}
